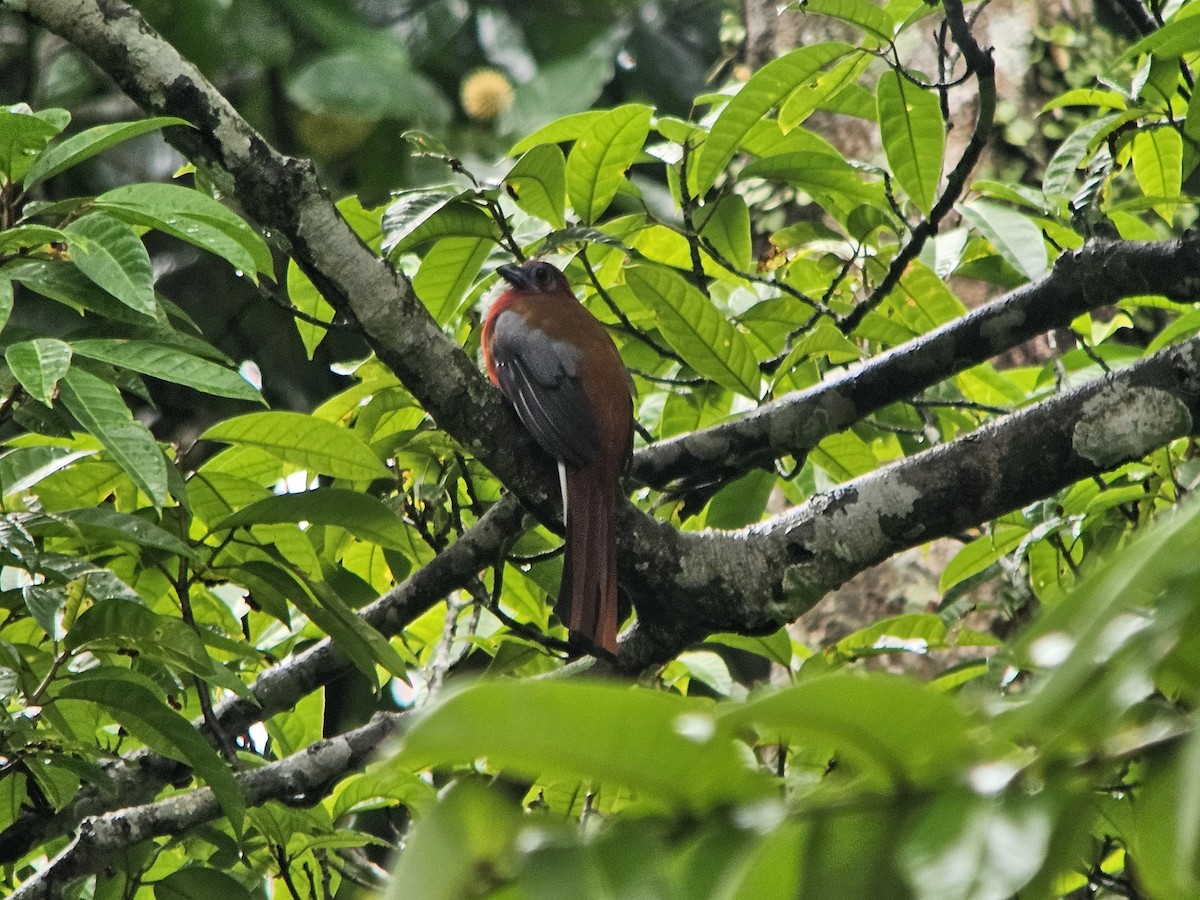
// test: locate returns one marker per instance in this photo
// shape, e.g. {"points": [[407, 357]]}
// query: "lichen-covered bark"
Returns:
{"points": [[771, 573]]}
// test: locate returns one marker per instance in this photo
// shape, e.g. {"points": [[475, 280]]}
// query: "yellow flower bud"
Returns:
{"points": [[485, 94]]}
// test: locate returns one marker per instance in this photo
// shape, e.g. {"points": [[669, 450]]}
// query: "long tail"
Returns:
{"points": [[588, 596]]}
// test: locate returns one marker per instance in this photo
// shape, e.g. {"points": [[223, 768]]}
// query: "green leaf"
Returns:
{"points": [[306, 298], [23, 467], [312, 444], [1016, 237], [472, 830], [538, 183], [381, 784], [169, 364], [741, 502], [1158, 166], [1179, 36], [419, 217], [1071, 154], [893, 727], [776, 647], [65, 284], [1103, 641], [1087, 97], [199, 883], [87, 144], [696, 330], [727, 228], [766, 89], [567, 128], [981, 553], [191, 216], [1164, 834], [145, 716], [365, 646], [362, 515], [98, 407], [107, 525], [28, 237], [911, 632], [914, 137], [38, 365], [968, 847], [119, 624], [823, 340], [107, 251], [844, 456], [921, 301], [551, 730], [819, 174], [860, 13], [602, 154], [23, 136], [825, 86], [358, 84], [6, 300], [448, 271], [45, 602]]}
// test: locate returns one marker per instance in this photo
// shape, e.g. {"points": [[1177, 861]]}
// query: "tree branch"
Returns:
{"points": [[685, 585], [979, 61], [139, 777], [1097, 275], [316, 768], [755, 580]]}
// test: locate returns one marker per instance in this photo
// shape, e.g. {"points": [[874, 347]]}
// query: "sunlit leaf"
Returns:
{"points": [[860, 13], [39, 364], [766, 89], [194, 217], [1157, 166], [601, 155], [312, 444], [79, 147], [169, 364], [98, 407], [1015, 236], [695, 329], [107, 251], [914, 138], [448, 271], [538, 183]]}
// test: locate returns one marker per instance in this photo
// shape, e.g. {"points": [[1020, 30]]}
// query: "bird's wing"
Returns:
{"points": [[539, 375]]}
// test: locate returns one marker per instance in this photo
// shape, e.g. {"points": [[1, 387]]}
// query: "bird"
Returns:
{"points": [[558, 366]]}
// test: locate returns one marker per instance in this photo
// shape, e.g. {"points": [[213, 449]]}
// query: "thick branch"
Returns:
{"points": [[1097, 275], [756, 580], [316, 768]]}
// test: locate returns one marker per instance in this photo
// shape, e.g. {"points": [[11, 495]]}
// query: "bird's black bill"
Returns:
{"points": [[516, 276]]}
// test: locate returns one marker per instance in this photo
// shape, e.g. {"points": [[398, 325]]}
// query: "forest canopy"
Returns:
{"points": [[900, 286]]}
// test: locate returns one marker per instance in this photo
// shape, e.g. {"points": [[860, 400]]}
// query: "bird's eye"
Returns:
{"points": [[543, 276]]}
